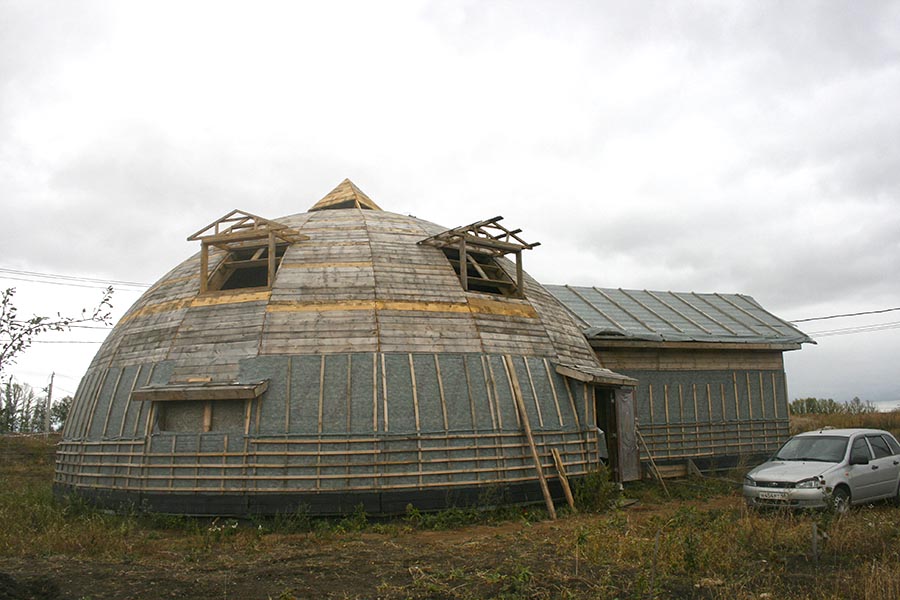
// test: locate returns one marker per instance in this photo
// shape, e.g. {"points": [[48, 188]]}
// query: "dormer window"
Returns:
{"points": [[253, 248], [483, 274], [472, 251], [245, 268]]}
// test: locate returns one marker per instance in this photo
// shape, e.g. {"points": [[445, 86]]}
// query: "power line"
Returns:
{"points": [[856, 314], [72, 278], [859, 329], [67, 342], [80, 285]]}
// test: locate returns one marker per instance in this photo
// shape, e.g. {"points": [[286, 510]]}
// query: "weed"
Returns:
{"points": [[594, 492], [355, 521]]}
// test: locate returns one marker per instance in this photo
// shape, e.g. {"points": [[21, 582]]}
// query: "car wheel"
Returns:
{"points": [[840, 500], [897, 496]]}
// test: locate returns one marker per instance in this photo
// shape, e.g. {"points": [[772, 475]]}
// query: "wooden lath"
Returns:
{"points": [[489, 238], [242, 231]]}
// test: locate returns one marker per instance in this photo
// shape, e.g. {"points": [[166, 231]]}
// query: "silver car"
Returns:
{"points": [[828, 468]]}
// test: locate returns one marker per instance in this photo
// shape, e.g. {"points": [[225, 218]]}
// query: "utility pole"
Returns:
{"points": [[49, 404]]}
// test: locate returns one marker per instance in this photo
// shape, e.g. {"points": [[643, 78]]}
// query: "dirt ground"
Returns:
{"points": [[361, 565], [517, 559]]}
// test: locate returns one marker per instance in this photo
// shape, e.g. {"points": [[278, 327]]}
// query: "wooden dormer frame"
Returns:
{"points": [[240, 230], [489, 238]]}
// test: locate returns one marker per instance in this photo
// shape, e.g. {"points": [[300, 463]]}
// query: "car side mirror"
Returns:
{"points": [[859, 460]]}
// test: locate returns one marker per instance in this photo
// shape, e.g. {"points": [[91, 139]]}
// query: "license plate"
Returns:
{"points": [[773, 495]]}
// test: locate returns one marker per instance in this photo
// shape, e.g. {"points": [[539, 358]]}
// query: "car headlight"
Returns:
{"points": [[813, 482], [749, 481]]}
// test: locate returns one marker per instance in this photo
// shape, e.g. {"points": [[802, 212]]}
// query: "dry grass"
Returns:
{"points": [[889, 421], [703, 543]]}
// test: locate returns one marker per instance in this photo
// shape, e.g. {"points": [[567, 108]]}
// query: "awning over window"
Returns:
{"points": [[201, 391], [595, 375]]}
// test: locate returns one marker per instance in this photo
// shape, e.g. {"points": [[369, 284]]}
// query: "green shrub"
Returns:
{"points": [[595, 492]]}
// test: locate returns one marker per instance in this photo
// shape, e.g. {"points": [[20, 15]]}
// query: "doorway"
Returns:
{"points": [[614, 410]]}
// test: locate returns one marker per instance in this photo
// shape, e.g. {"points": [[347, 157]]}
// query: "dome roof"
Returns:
{"points": [[356, 281]]}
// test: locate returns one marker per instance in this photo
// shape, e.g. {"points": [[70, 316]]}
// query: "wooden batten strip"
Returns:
{"points": [[492, 387], [128, 405], [224, 460], [172, 464], [440, 382], [415, 393], [384, 394], [415, 396], [258, 402], [722, 398], [348, 393], [374, 392], [207, 417], [668, 421], [749, 398], [86, 426], [737, 406], [555, 395], [572, 402], [248, 412], [696, 408], [287, 394], [507, 365], [487, 387], [321, 405], [774, 396], [534, 395], [762, 395]]}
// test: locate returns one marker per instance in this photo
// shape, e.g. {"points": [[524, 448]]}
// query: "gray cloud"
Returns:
{"points": [[689, 146]]}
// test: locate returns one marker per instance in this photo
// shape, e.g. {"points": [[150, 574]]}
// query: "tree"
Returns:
{"points": [[827, 406], [17, 410], [16, 335], [59, 412]]}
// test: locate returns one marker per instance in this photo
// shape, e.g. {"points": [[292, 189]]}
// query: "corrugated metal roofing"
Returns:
{"points": [[609, 313]]}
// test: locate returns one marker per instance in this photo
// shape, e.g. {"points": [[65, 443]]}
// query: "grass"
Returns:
{"points": [[701, 542]]}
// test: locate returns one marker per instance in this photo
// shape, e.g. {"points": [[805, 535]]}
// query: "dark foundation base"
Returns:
{"points": [[323, 504]]}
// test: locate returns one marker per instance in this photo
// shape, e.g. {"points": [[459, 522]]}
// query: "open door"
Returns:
{"points": [[629, 454], [615, 416]]}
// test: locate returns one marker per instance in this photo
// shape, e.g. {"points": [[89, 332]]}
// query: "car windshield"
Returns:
{"points": [[817, 448]]}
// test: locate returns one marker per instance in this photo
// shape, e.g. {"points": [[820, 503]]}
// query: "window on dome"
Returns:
{"points": [[200, 405], [253, 249], [245, 268], [483, 274], [473, 250]]}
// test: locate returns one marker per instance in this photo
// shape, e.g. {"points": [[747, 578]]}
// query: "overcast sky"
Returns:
{"points": [[746, 147]]}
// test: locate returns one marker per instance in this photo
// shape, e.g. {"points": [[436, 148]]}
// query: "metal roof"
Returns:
{"points": [[617, 314]]}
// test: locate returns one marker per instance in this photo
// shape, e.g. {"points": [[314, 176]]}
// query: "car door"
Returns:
{"points": [[885, 465], [863, 479]]}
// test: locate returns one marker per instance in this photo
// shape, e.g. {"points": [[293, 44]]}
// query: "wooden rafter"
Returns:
{"points": [[240, 226], [488, 236]]}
